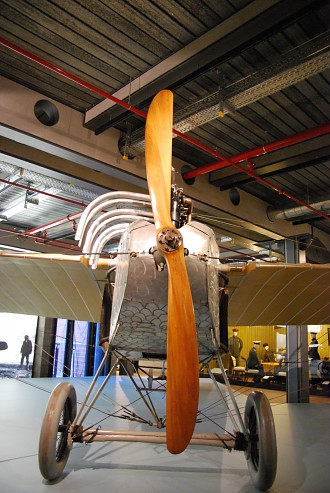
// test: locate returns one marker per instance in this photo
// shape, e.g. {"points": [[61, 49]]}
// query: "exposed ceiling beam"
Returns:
{"points": [[136, 111], [228, 38], [263, 152], [172, 69], [31, 148], [301, 162], [274, 78], [289, 165], [301, 156], [289, 70]]}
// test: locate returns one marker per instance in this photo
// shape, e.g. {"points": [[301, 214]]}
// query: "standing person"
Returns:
{"points": [[26, 350], [313, 351], [253, 362], [235, 346]]}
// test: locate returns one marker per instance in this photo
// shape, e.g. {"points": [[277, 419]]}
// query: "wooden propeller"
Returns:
{"points": [[182, 386]]}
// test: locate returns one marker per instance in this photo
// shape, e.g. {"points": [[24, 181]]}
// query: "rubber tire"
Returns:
{"points": [[53, 446], [261, 454]]}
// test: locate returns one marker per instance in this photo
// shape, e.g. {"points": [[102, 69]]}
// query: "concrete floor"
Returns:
{"points": [[303, 439]]}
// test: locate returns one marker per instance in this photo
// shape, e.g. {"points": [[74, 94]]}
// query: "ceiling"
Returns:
{"points": [[250, 82]]}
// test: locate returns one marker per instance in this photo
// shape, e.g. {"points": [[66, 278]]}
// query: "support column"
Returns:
{"points": [[68, 349], [297, 356], [90, 353], [44, 351], [296, 344]]}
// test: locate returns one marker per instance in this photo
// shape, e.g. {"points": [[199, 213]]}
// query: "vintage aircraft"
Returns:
{"points": [[165, 295]]}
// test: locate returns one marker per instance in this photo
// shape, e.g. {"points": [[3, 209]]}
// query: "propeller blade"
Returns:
{"points": [[182, 386], [158, 154]]}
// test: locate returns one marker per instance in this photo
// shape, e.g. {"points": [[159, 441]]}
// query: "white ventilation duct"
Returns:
{"points": [[300, 211]]}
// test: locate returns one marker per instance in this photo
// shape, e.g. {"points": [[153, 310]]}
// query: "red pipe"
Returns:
{"points": [[258, 151], [72, 246], [195, 143], [63, 220], [34, 231], [250, 173], [58, 244], [75, 79]]}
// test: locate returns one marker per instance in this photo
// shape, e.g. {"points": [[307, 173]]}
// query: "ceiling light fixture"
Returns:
{"points": [[225, 239]]}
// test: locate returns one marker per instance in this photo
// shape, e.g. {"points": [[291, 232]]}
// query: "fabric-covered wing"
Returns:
{"points": [[261, 294], [50, 286], [286, 294]]}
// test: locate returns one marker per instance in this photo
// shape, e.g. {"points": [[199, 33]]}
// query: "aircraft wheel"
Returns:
{"points": [[53, 443], [261, 452]]}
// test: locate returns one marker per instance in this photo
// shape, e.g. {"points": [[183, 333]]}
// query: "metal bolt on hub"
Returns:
{"points": [[169, 239]]}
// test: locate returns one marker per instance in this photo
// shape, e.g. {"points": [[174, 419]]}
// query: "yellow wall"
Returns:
{"points": [[322, 338], [248, 334]]}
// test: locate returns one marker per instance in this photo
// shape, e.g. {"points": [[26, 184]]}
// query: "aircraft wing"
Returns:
{"points": [[61, 286], [55, 286], [279, 294]]}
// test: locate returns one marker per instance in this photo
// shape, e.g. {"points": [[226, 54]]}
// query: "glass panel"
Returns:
{"points": [[13, 329], [79, 350], [60, 342]]}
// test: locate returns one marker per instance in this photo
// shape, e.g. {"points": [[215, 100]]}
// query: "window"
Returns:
{"points": [[75, 352]]}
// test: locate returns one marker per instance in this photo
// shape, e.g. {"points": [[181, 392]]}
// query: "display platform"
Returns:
{"points": [[303, 437]]}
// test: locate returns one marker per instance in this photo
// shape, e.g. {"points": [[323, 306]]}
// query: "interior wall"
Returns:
{"points": [[261, 333], [264, 334], [323, 339], [17, 113]]}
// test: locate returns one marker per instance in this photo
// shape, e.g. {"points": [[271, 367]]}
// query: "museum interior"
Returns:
{"points": [[119, 114]]}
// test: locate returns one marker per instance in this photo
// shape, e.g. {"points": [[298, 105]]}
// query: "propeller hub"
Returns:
{"points": [[169, 239]]}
